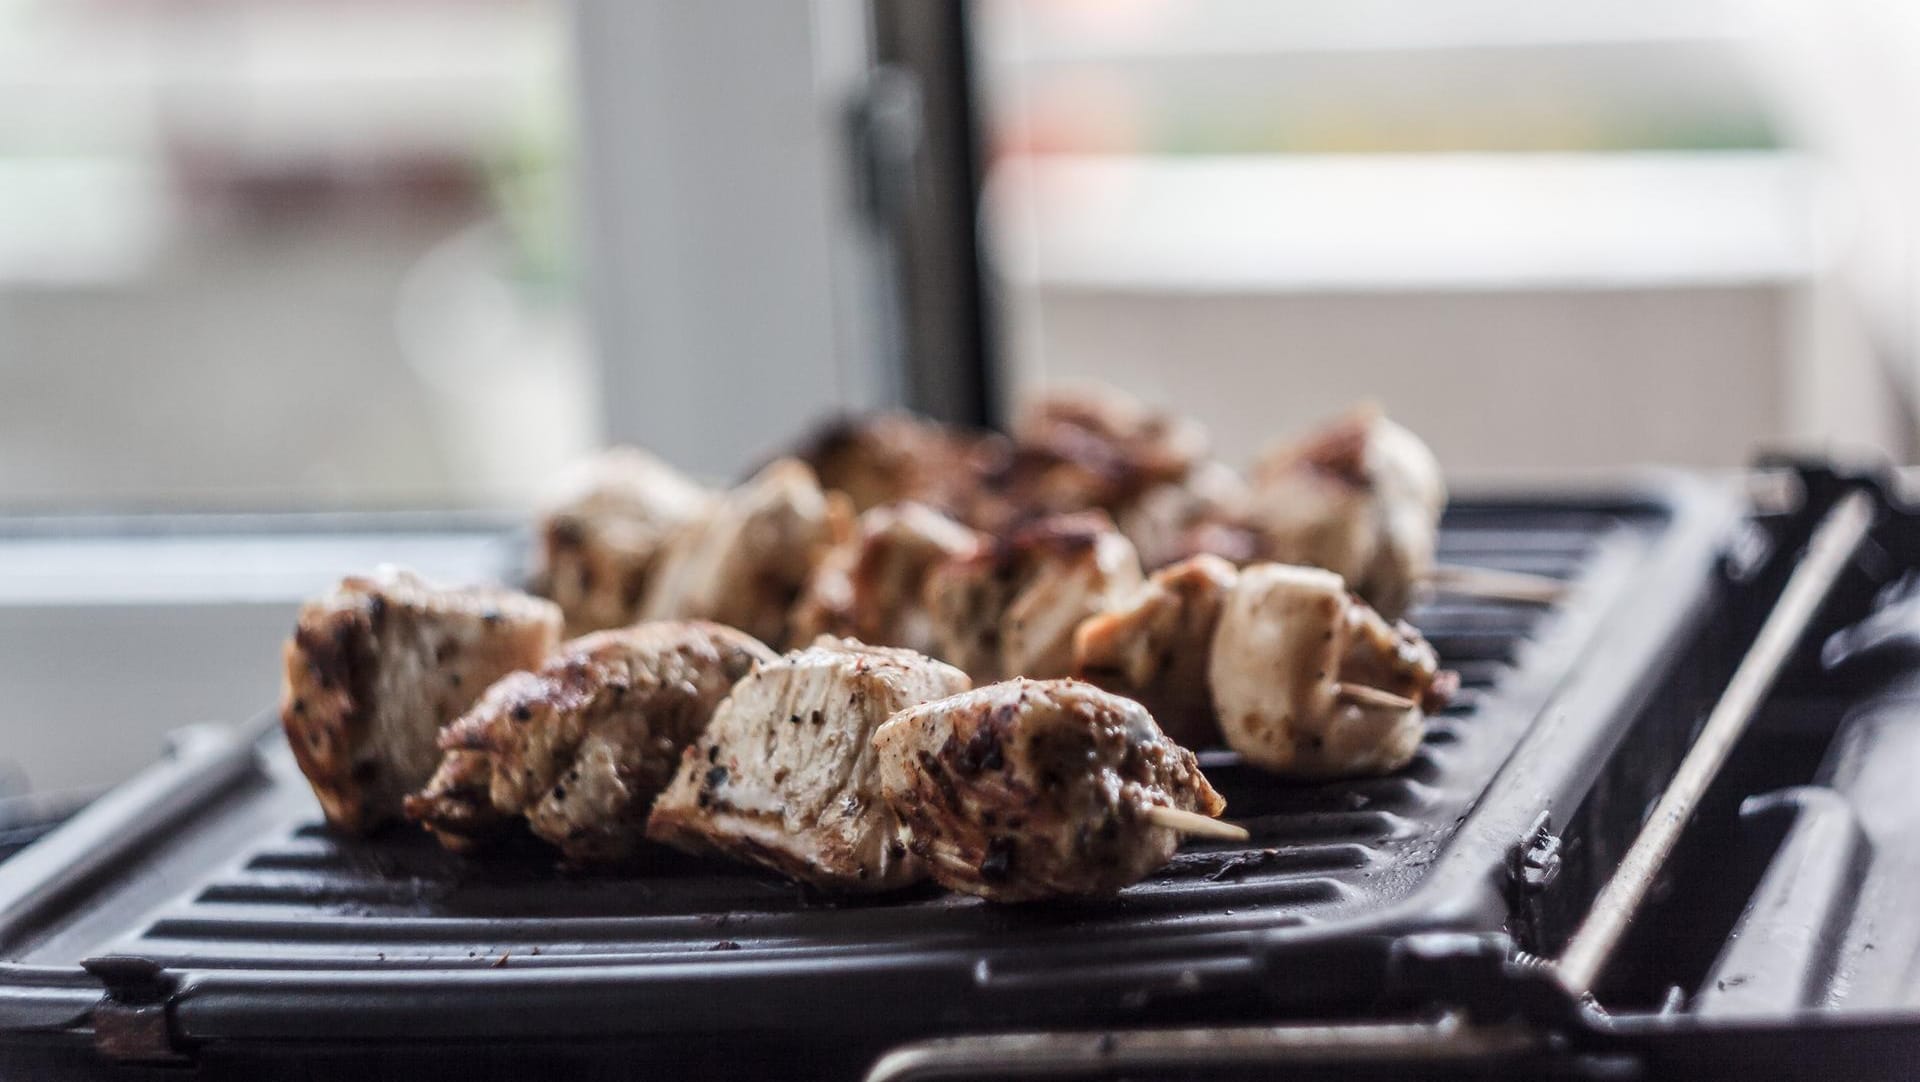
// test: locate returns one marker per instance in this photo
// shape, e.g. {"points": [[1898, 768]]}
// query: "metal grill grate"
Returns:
{"points": [[274, 925], [307, 898]]}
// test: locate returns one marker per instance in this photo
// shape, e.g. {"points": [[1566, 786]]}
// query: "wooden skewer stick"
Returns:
{"points": [[1498, 585], [1366, 696], [1193, 823]]}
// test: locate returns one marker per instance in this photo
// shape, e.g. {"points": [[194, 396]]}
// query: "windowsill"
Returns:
{"points": [[1366, 223]]}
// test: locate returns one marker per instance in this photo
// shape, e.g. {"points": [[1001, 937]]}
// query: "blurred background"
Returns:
{"points": [[401, 255]]}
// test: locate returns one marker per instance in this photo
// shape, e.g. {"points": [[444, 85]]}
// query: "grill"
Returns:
{"points": [[201, 915]]}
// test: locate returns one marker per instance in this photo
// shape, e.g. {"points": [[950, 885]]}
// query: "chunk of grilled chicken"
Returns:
{"points": [[1291, 647], [784, 775], [1155, 646], [1361, 498], [1033, 789], [581, 746], [871, 586], [377, 666], [1011, 608], [1203, 513], [743, 564], [601, 529], [1086, 448], [890, 457]]}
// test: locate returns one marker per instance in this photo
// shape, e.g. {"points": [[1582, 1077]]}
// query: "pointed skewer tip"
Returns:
{"points": [[1366, 696], [1497, 585], [1193, 823]]}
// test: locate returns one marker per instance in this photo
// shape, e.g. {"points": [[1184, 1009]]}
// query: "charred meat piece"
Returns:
{"points": [[581, 746], [376, 667], [1086, 448], [1161, 446], [1361, 498], [1155, 646], [1309, 681], [1205, 513], [784, 776], [600, 531], [1034, 789], [1011, 608], [871, 586], [744, 563], [889, 457]]}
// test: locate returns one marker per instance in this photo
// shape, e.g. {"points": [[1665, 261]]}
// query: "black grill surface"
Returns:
{"points": [[213, 880]]}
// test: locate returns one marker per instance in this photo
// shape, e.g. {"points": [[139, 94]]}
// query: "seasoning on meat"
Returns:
{"points": [[1361, 498], [871, 586], [1309, 681], [1034, 789], [1011, 608], [1155, 645], [784, 775], [744, 563], [601, 530], [581, 747], [376, 667]]}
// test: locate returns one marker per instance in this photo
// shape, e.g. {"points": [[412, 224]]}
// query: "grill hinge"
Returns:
{"points": [[1479, 975], [134, 1022], [1532, 866]]}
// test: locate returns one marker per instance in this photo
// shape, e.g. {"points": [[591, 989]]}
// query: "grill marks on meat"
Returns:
{"points": [[1033, 789], [871, 587], [1012, 607], [1288, 639], [784, 775], [582, 746], [1361, 498], [600, 533], [1154, 647], [375, 668], [745, 562]]}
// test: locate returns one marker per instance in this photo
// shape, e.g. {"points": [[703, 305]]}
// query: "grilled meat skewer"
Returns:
{"points": [[892, 457], [1304, 678], [871, 586], [375, 668], [1155, 645], [1293, 659], [581, 746], [1034, 789], [784, 775], [602, 530], [1082, 449], [744, 563], [1206, 512], [1011, 608], [1361, 498]]}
